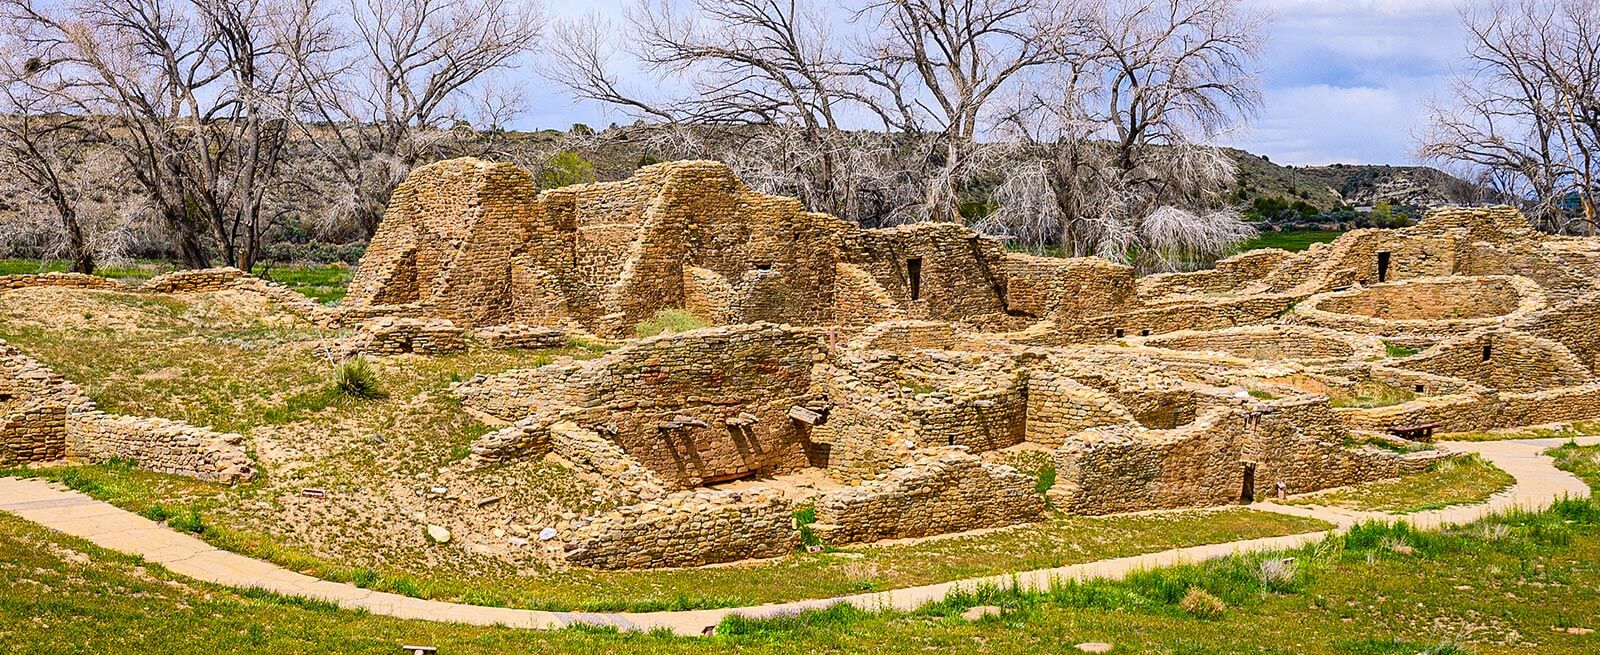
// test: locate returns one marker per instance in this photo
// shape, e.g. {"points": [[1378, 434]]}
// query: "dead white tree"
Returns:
{"points": [[1117, 139], [1525, 110], [776, 64], [186, 93], [44, 138], [939, 65], [384, 100]]}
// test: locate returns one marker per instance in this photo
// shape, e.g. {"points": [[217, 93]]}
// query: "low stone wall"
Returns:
{"points": [[1299, 443], [517, 335], [35, 433], [1060, 407], [73, 280], [397, 336], [950, 491], [195, 281], [1423, 306], [692, 528], [159, 445], [1268, 342]]}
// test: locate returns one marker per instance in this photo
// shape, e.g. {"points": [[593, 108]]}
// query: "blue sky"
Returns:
{"points": [[1344, 80]]}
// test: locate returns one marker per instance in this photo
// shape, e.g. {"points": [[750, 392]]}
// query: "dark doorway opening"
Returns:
{"points": [[1488, 351], [1247, 493], [1383, 267], [914, 275]]}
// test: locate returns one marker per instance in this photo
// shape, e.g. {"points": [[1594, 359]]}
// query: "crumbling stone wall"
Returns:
{"points": [[396, 336], [70, 280], [1271, 343], [161, 445], [195, 280], [692, 528], [948, 490], [1502, 359], [1060, 407], [1436, 306], [1298, 443]]}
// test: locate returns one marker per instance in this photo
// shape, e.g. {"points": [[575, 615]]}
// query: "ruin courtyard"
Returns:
{"points": [[851, 385]]}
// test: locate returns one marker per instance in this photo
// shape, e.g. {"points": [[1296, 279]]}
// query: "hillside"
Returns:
{"points": [[1325, 187]]}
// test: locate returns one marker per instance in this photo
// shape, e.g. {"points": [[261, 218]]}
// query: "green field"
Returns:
{"points": [[325, 283], [1291, 240], [1526, 583]]}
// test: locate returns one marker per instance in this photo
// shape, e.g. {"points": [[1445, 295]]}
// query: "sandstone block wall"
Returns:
{"points": [[195, 281], [692, 528], [72, 280], [1299, 443], [160, 445], [396, 336], [31, 433], [948, 491], [1502, 359], [519, 336]]}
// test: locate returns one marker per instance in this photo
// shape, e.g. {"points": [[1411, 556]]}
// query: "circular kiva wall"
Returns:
{"points": [[1269, 342], [1436, 305]]}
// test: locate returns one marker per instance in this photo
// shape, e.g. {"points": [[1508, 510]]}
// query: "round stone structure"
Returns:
{"points": [[1428, 306]]}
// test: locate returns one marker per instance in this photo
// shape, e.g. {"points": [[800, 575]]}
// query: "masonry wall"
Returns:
{"points": [[71, 280], [31, 433], [1300, 443], [1502, 359], [159, 445], [948, 491], [692, 528]]}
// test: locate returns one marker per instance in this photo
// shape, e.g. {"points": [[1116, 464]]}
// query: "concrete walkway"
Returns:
{"points": [[1538, 484]]}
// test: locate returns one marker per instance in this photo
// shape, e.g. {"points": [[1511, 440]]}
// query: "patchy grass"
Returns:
{"points": [[1397, 351], [325, 283], [668, 321], [1511, 584], [1371, 393], [1567, 431], [1582, 461], [1456, 481]]}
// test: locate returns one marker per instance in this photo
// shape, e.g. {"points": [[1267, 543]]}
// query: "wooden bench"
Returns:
{"points": [[1419, 432]]}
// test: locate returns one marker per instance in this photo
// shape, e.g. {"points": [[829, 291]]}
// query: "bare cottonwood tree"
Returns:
{"points": [[1116, 143], [44, 137], [939, 65], [772, 63], [1526, 111], [188, 93], [383, 101]]}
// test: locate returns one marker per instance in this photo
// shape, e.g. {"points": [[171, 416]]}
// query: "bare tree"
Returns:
{"points": [[44, 137], [384, 100], [939, 65], [190, 92], [1526, 111], [1116, 142], [770, 63]]}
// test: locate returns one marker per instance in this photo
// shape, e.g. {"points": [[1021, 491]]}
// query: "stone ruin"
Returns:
{"points": [[895, 369], [879, 380]]}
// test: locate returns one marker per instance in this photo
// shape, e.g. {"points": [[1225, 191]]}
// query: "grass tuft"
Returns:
{"points": [[668, 321], [355, 378]]}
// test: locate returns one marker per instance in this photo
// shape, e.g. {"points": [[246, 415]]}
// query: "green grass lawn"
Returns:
{"points": [[1291, 240], [1506, 585], [1575, 429], [324, 283], [1461, 481]]}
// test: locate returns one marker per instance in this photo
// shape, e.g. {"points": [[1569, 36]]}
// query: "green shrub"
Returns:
{"points": [[355, 378], [803, 518], [669, 321], [1397, 351], [565, 169], [1046, 479]]}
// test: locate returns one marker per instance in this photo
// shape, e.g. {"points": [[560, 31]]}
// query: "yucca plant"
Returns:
{"points": [[355, 377]]}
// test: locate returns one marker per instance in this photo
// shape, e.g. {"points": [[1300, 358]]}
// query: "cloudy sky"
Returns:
{"points": [[1344, 80]]}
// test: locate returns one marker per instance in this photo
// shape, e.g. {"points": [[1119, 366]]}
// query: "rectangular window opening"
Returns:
{"points": [[1488, 351], [914, 276], [1118, 333], [1144, 333], [1383, 267]]}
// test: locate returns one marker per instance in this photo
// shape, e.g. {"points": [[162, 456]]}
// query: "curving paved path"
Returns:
{"points": [[1538, 484]]}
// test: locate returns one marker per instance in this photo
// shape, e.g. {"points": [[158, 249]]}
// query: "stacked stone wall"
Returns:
{"points": [[693, 528], [160, 445], [69, 280], [947, 491], [195, 281], [1298, 443], [31, 432], [1502, 359], [396, 336]]}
